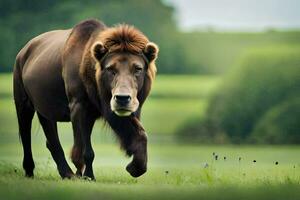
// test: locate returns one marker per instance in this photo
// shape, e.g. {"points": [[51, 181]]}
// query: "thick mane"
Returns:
{"points": [[123, 38], [126, 38]]}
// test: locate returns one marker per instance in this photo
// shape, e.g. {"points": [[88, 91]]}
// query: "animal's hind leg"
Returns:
{"points": [[53, 144], [25, 114]]}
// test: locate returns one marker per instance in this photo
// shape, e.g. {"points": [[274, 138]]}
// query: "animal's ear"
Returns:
{"points": [[98, 51], [151, 51]]}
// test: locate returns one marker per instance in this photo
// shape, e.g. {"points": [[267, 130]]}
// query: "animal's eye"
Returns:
{"points": [[111, 70], [138, 69]]}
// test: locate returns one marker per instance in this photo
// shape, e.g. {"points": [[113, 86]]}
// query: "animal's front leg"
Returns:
{"points": [[83, 122], [138, 165], [133, 140]]}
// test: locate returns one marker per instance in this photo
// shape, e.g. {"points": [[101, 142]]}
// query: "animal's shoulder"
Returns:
{"points": [[80, 35], [87, 27], [82, 32]]}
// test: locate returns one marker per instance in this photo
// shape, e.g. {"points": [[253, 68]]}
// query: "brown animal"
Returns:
{"points": [[81, 74]]}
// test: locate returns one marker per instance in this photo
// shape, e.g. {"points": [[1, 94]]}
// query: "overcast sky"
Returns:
{"points": [[237, 14]]}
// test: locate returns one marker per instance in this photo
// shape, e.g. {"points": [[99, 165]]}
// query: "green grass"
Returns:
{"points": [[184, 86], [187, 177], [217, 52], [6, 83]]}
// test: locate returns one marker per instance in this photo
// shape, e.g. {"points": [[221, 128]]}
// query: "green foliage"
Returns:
{"points": [[280, 124], [263, 79], [22, 20]]}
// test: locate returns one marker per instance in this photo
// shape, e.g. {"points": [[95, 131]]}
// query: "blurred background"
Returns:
{"points": [[228, 71]]}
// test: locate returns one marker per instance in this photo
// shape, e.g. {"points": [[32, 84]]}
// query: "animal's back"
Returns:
{"points": [[39, 65]]}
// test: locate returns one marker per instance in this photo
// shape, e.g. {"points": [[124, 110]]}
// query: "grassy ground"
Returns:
{"points": [[174, 171]]}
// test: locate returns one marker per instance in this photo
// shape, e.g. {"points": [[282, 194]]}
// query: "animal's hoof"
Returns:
{"points": [[89, 178], [29, 175], [78, 173], [135, 170], [69, 175]]}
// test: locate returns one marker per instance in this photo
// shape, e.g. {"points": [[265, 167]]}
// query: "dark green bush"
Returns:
{"points": [[280, 125], [263, 79]]}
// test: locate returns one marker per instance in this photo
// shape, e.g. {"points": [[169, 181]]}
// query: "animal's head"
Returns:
{"points": [[125, 67]]}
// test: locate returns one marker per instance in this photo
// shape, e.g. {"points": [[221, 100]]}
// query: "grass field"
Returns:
{"points": [[174, 171], [218, 52]]}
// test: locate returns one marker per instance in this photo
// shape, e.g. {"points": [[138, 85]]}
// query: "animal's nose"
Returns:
{"points": [[122, 99]]}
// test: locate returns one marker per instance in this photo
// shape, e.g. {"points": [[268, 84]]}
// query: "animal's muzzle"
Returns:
{"points": [[122, 99]]}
